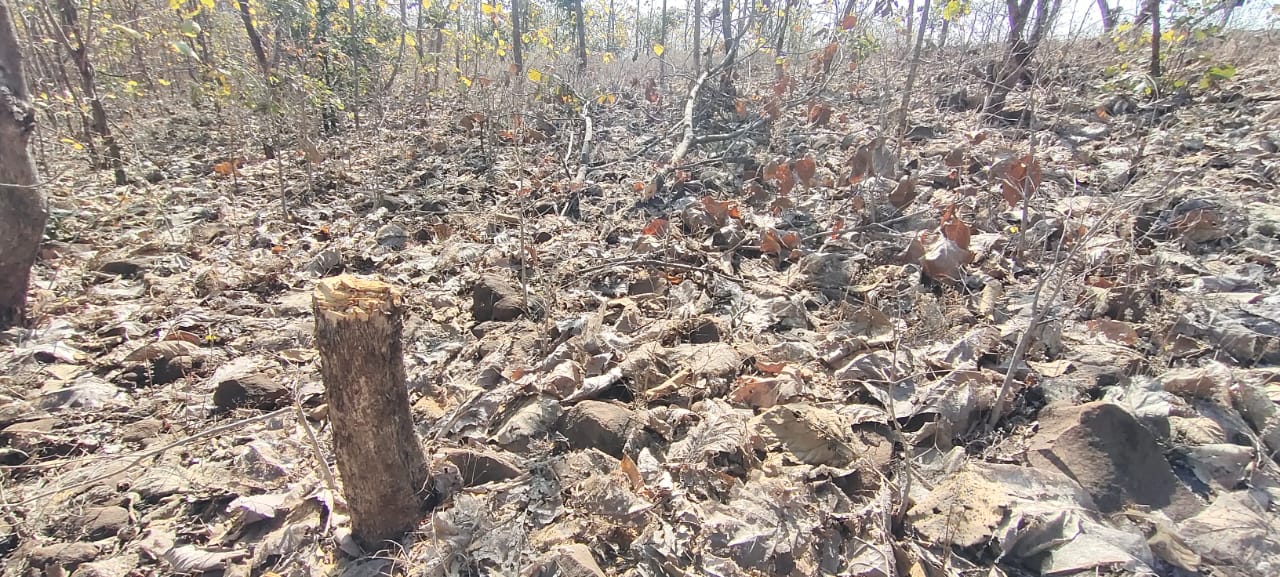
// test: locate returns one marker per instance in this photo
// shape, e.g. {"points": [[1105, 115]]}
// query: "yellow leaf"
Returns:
{"points": [[607, 57], [465, 80], [535, 75], [487, 8], [72, 142], [658, 49]]}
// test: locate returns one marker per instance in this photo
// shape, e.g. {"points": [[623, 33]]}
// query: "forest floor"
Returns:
{"points": [[747, 366]]}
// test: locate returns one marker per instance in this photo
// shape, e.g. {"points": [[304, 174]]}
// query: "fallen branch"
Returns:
{"points": [[585, 158], [144, 455]]}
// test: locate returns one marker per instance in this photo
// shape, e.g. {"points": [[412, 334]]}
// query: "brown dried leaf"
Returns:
{"points": [[903, 193], [945, 260], [819, 114], [806, 168]]}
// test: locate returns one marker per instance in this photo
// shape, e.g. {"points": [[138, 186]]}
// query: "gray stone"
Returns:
{"points": [[496, 298], [255, 391], [597, 424], [1111, 455], [102, 522], [68, 555]]}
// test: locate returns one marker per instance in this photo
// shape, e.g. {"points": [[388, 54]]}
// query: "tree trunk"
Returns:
{"points": [[911, 73], [381, 463], [942, 36], [780, 49], [662, 39], [255, 40], [1007, 73], [404, 39], [697, 37], [1154, 6], [73, 41], [611, 43], [911, 16], [1108, 16], [580, 22], [22, 207], [517, 36], [726, 24]]}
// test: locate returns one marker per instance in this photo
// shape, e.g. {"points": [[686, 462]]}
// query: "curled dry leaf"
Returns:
{"points": [[955, 230], [1022, 180], [720, 211], [903, 193], [819, 114], [773, 243], [945, 260], [656, 227]]}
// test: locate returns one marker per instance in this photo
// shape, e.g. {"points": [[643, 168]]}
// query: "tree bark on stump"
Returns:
{"points": [[22, 207], [382, 466]]}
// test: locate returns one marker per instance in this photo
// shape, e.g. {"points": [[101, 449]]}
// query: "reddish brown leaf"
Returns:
{"points": [[806, 168], [721, 211], [848, 22], [780, 87], [819, 114], [904, 193], [859, 164], [226, 168], [954, 229], [769, 242], [1022, 181], [656, 227], [651, 91], [629, 470], [772, 109]]}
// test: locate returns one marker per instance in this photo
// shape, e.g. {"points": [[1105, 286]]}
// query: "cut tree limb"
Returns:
{"points": [[380, 462]]}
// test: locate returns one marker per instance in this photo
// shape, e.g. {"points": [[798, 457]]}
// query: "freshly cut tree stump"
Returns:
{"points": [[382, 466]]}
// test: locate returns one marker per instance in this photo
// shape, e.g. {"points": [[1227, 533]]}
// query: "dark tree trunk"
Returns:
{"points": [[662, 39], [1154, 8], [697, 37], [911, 16], [780, 49], [1020, 50], [1108, 16], [381, 463], [580, 21], [517, 35], [726, 24], [255, 40], [611, 43], [911, 73], [22, 207]]}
